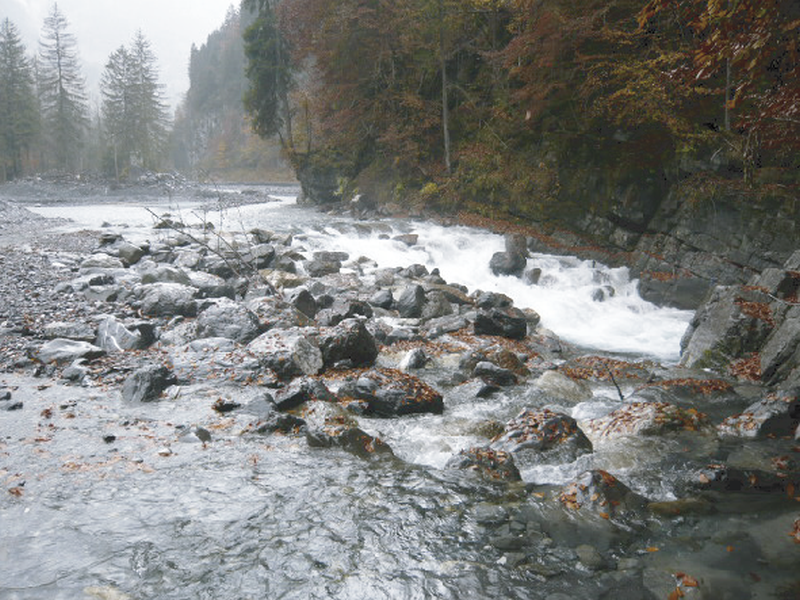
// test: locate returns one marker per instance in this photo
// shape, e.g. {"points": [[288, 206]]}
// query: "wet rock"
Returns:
{"points": [[62, 351], [409, 239], [165, 274], [225, 405], [506, 322], [452, 293], [147, 384], [328, 426], [444, 325], [492, 374], [211, 286], [229, 320], [436, 305], [328, 256], [350, 343], [259, 256], [411, 302], [319, 268], [534, 437], [603, 494], [514, 259], [647, 419], [414, 271], [590, 557], [414, 359], [113, 336], [73, 331], [288, 352], [780, 355], [563, 388], [303, 301], [489, 300], [382, 299], [532, 276], [167, 300], [300, 391], [495, 465], [101, 261], [270, 419], [776, 415], [390, 393], [730, 479], [282, 279]]}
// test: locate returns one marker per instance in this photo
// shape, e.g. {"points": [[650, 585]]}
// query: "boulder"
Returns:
{"points": [[535, 437], [319, 268], [147, 384], [390, 393], [328, 426], [730, 479], [62, 351], [411, 302], [229, 320], [414, 359], [647, 419], [506, 322], [494, 465], [348, 343], [211, 286], [167, 300], [269, 418], [300, 391], [776, 415], [492, 374], [165, 274], [288, 352], [259, 256], [563, 388], [436, 305], [603, 494], [514, 260], [113, 336], [101, 261], [73, 331], [382, 299], [303, 301]]}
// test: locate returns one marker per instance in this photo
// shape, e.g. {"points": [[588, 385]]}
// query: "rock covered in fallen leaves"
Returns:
{"points": [[147, 384], [733, 479], [776, 415], [600, 492], [494, 465], [646, 419], [537, 436], [390, 393]]}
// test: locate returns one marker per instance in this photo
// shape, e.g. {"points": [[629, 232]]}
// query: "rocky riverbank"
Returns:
{"points": [[216, 338]]}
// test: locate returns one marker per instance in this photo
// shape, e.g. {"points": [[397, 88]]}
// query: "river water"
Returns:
{"points": [[157, 516]]}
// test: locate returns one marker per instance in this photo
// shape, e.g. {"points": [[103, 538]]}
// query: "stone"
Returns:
{"points": [[259, 256], [492, 374], [303, 301], [349, 342], [288, 352], [166, 274], [436, 305], [328, 426], [542, 436], [391, 393], [648, 419], [409, 239], [503, 263], [410, 302], [229, 320], [776, 415], [414, 359], [563, 388], [113, 336], [61, 351], [300, 391], [320, 268], [101, 261], [128, 253], [73, 331], [147, 384], [211, 286], [382, 299], [167, 300], [494, 465], [600, 492], [506, 322]]}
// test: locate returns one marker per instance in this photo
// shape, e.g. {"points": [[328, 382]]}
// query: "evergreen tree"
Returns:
{"points": [[62, 91], [134, 111], [19, 116]]}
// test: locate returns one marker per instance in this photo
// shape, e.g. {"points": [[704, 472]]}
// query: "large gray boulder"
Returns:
{"points": [[507, 322], [147, 384], [349, 342], [288, 352], [61, 351], [411, 302], [230, 320], [167, 300]]}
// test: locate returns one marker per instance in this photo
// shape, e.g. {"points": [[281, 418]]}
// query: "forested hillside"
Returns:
{"points": [[212, 135], [527, 107]]}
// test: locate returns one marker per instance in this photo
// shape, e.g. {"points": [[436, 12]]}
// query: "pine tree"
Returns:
{"points": [[134, 111], [62, 91], [19, 116]]}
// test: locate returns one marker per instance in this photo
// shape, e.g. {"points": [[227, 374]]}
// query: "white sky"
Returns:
{"points": [[102, 26]]}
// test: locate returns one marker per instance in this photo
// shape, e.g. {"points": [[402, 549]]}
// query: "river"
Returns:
{"points": [[160, 516]]}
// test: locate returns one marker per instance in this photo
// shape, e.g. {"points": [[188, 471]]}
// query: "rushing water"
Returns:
{"points": [[158, 516]]}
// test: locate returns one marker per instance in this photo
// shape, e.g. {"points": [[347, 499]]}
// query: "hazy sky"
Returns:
{"points": [[102, 26]]}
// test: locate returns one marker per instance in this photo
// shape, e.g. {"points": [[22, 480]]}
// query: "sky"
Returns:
{"points": [[102, 26]]}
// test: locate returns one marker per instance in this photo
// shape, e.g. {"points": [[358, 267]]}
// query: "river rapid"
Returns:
{"points": [[121, 502]]}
